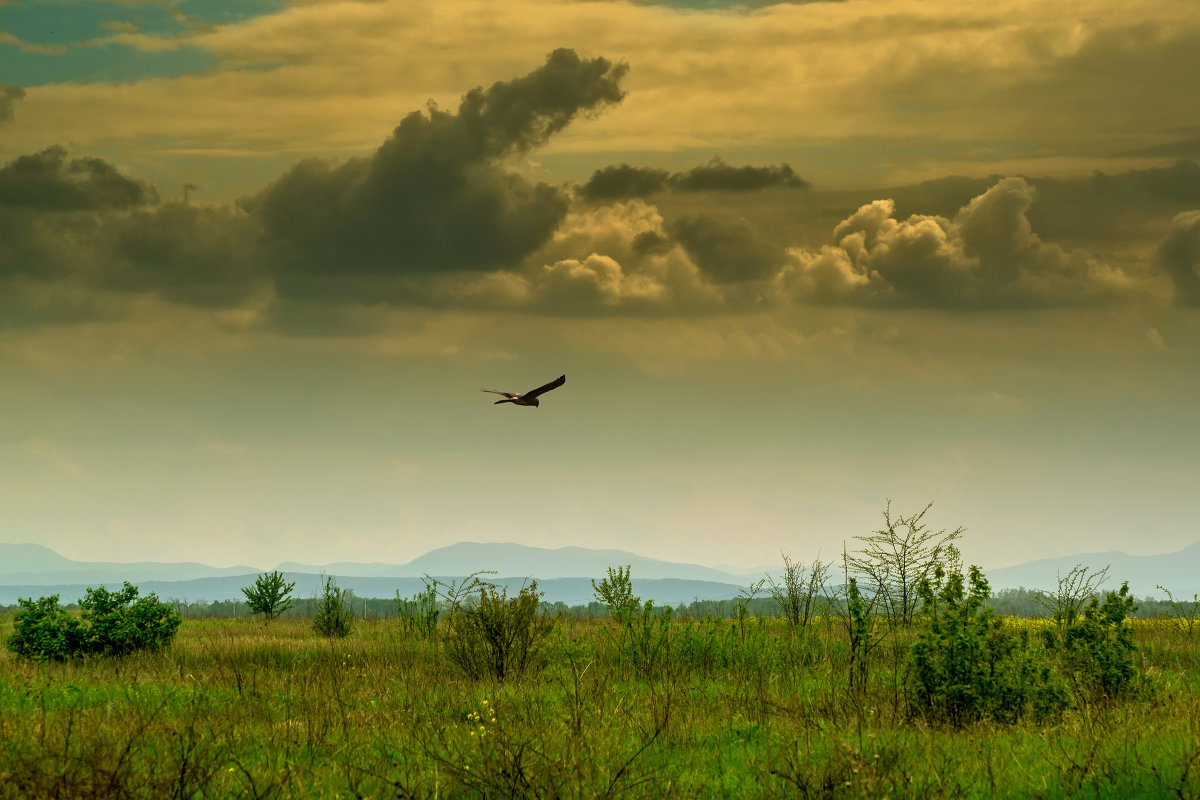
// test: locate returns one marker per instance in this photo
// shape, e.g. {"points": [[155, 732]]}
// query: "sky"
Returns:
{"points": [[797, 260]]}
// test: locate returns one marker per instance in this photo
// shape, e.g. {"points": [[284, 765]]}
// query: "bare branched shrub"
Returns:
{"points": [[1075, 589], [896, 558], [798, 593]]}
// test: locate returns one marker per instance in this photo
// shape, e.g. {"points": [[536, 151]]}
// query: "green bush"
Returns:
{"points": [[332, 617], [498, 636], [647, 644], [111, 624], [419, 613], [118, 623], [965, 665], [44, 631], [1096, 648]]}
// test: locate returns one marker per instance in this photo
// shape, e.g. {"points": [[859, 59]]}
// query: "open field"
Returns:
{"points": [[236, 708]]}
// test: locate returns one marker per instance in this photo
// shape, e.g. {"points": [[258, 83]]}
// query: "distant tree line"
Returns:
{"points": [[1021, 602]]}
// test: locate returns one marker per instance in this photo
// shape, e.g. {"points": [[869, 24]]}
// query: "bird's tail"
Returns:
{"points": [[498, 402]]}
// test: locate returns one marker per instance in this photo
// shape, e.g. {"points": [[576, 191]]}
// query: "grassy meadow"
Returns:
{"points": [[758, 708]]}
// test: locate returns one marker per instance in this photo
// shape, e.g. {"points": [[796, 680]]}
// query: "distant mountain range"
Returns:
{"points": [[1179, 572], [564, 574], [36, 565], [523, 561]]}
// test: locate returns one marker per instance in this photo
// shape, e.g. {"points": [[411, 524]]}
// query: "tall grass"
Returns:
{"points": [[238, 709]]}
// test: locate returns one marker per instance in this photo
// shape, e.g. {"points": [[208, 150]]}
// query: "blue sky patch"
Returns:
{"points": [[105, 63], [67, 23]]}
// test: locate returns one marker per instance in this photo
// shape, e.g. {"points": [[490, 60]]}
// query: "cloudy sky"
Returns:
{"points": [[257, 258]]}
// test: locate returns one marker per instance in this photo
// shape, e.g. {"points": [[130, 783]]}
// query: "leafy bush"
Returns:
{"points": [[43, 631], [966, 666], [270, 595], [1096, 648], [112, 623], [497, 636], [118, 623], [332, 617]]}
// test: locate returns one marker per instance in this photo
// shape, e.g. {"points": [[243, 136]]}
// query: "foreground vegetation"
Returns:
{"points": [[239, 708], [900, 681]]}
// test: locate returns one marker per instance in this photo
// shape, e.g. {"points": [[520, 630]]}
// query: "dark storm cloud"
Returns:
{"points": [[622, 182], [194, 255], [1179, 254], [434, 196], [53, 210], [80, 218], [9, 95], [717, 176], [42, 246], [727, 250], [48, 181]]}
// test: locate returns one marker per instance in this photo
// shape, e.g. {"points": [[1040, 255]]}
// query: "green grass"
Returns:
{"points": [[236, 708]]}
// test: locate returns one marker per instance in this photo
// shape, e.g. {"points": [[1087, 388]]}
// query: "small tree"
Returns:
{"points": [[332, 617], [898, 557], [270, 595], [616, 592]]}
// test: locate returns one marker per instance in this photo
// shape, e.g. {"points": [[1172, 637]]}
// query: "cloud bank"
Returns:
{"points": [[444, 215]]}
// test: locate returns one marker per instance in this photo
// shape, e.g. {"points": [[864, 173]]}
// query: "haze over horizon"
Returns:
{"points": [[257, 259]]}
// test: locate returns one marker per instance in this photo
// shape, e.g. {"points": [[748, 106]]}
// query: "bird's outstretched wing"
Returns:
{"points": [[554, 384], [509, 395]]}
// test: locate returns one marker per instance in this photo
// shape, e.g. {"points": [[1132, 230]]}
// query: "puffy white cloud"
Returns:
{"points": [[617, 257], [986, 256]]}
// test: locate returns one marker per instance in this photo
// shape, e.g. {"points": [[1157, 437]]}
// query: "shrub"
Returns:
{"points": [[419, 613], [497, 636], [332, 617], [965, 666], [118, 623], [896, 558], [270, 595], [112, 624], [798, 595], [1075, 588], [43, 631], [648, 642], [1096, 648]]}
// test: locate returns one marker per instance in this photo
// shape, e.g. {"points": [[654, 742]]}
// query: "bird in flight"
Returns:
{"points": [[530, 398]]}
